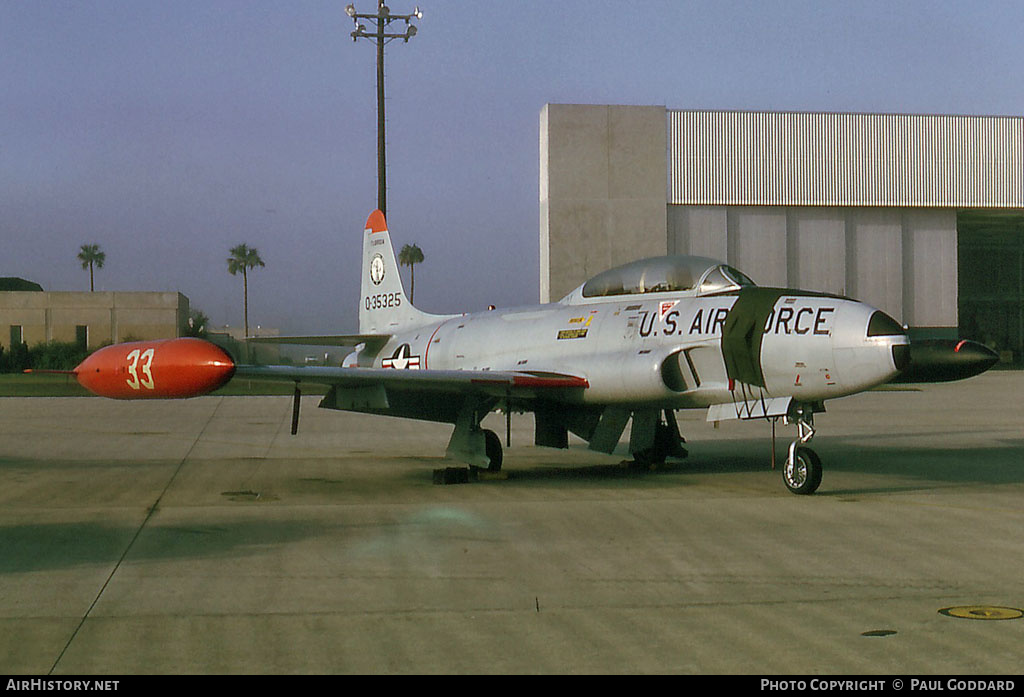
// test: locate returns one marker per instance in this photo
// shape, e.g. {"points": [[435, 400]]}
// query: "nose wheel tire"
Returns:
{"points": [[802, 472]]}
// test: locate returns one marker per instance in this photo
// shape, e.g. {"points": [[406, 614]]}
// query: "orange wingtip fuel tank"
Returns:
{"points": [[162, 369]]}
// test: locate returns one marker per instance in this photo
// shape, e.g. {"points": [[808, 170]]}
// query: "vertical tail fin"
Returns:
{"points": [[383, 306]]}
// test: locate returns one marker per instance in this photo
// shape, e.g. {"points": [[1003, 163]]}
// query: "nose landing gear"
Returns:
{"points": [[802, 471]]}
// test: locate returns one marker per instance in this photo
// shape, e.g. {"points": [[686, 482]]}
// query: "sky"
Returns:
{"points": [[168, 132]]}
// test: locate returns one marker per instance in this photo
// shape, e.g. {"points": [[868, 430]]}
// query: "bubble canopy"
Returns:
{"points": [[666, 274]]}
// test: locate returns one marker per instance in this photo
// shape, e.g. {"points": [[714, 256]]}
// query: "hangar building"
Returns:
{"points": [[919, 215]]}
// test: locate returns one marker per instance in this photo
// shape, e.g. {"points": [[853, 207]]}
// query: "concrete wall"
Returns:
{"points": [[602, 190], [109, 316]]}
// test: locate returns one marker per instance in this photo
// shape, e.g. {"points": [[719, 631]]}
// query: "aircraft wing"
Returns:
{"points": [[187, 367], [496, 383], [432, 395]]}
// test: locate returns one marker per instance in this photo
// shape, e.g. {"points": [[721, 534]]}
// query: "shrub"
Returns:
{"points": [[15, 359], [52, 355], [57, 355]]}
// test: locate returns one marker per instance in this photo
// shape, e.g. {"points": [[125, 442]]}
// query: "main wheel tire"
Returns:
{"points": [[668, 442], [492, 448], [803, 476], [675, 438]]}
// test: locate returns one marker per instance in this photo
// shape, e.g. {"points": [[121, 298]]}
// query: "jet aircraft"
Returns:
{"points": [[634, 343]]}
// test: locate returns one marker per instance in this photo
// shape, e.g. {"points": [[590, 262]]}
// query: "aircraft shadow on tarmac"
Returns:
{"points": [[33, 547], [997, 464], [59, 546], [1001, 463], [50, 546], [74, 544]]}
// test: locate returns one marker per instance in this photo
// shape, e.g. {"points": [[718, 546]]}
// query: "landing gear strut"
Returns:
{"points": [[477, 447], [492, 447], [480, 448], [667, 443], [802, 471]]}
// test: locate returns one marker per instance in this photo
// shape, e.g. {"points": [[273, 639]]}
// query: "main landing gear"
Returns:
{"points": [[491, 461], [492, 448], [802, 471], [479, 448], [667, 443]]}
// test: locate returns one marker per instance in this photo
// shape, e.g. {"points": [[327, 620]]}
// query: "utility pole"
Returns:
{"points": [[381, 36]]}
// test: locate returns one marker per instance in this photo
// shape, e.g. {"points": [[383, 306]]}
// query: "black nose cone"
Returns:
{"points": [[942, 360]]}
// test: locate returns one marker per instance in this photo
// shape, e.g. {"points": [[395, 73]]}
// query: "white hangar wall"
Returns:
{"points": [[858, 204], [901, 261], [818, 159]]}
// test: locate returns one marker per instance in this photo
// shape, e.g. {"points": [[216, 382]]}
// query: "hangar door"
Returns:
{"points": [[990, 250]]}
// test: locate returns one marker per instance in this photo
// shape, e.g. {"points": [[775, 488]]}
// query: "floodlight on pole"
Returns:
{"points": [[381, 36]]}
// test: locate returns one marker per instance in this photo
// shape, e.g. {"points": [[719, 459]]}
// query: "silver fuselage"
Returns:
{"points": [[661, 349]]}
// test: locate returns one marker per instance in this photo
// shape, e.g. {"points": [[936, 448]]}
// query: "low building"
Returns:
{"points": [[233, 340], [90, 319]]}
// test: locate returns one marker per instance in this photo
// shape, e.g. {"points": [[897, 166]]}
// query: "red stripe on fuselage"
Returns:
{"points": [[426, 351]]}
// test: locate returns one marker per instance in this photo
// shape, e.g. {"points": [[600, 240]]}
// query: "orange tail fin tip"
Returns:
{"points": [[376, 222]]}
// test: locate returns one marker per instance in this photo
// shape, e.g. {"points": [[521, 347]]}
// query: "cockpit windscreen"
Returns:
{"points": [[666, 274]]}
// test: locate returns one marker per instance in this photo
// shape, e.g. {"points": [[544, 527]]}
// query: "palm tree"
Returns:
{"points": [[90, 256], [410, 256], [242, 259]]}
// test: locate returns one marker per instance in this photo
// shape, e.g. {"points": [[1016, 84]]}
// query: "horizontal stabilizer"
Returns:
{"points": [[372, 341]]}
